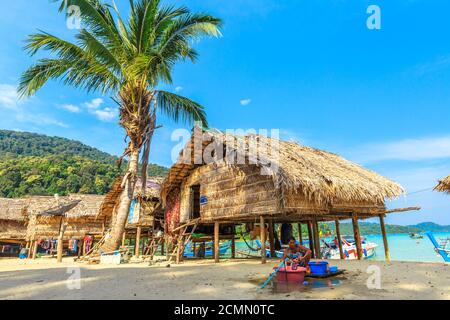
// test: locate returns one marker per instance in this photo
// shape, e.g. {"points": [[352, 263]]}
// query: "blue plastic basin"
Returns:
{"points": [[320, 267]]}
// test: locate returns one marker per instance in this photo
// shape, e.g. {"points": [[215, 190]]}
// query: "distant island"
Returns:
{"points": [[35, 164]]}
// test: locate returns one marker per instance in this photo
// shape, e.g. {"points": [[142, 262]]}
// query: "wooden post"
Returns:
{"points": [[233, 244], [339, 239], [79, 247], [163, 242], [385, 241], [262, 227], [35, 246], [30, 251], [216, 242], [271, 240], [310, 238], [124, 237], [84, 246], [62, 229], [300, 237], [357, 236], [316, 239], [137, 244]]}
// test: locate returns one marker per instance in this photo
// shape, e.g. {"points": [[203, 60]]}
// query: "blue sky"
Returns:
{"points": [[309, 68]]}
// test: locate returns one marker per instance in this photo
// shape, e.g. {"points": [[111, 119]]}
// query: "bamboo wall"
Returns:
{"points": [[231, 191]]}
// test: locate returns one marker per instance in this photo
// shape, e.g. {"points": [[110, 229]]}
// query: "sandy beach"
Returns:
{"points": [[45, 279]]}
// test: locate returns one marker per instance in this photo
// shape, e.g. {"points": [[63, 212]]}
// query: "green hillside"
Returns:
{"points": [[33, 164]]}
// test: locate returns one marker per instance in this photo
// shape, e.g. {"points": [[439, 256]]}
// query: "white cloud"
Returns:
{"points": [[8, 96], [71, 108], [245, 102], [94, 104], [39, 119], [106, 114], [178, 89], [406, 150]]}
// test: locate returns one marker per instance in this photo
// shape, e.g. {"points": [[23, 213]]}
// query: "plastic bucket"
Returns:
{"points": [[290, 275], [320, 267]]}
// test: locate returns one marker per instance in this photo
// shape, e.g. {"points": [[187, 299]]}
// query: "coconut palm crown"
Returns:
{"points": [[127, 59]]}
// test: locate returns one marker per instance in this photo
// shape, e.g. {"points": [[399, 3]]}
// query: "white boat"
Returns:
{"points": [[330, 250]]}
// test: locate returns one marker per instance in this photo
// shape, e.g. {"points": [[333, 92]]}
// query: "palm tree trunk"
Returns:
{"points": [[114, 241]]}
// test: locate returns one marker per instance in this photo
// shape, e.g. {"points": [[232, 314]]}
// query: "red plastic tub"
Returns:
{"points": [[290, 275]]}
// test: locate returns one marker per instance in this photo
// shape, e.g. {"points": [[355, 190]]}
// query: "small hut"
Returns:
{"points": [[146, 213], [444, 185], [222, 179], [13, 225], [79, 220]]}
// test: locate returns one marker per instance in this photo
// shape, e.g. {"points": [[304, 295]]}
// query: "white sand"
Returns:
{"points": [[45, 279]]}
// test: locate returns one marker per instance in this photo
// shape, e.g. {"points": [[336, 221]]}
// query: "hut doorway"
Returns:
{"points": [[195, 202]]}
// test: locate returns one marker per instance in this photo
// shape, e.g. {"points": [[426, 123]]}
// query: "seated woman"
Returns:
{"points": [[297, 254]]}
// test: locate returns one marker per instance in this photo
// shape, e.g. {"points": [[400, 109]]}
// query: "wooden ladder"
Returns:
{"points": [[183, 239], [152, 247]]}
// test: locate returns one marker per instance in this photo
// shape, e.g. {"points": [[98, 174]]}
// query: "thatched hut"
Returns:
{"points": [[146, 213], [13, 225], [443, 185], [223, 178]]}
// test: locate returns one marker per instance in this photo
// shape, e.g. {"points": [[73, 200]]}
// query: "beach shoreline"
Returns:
{"points": [[204, 280]]}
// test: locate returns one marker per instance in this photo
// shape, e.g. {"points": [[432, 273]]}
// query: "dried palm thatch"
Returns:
{"points": [[321, 178], [444, 185], [13, 209]]}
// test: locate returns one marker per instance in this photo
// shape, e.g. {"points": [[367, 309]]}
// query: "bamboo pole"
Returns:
{"points": [[138, 241], [271, 239], [300, 237], [310, 238], [339, 239], [385, 240], [316, 239], [357, 236], [216, 242], [262, 227]]}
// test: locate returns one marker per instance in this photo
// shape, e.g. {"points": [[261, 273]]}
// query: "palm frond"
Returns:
{"points": [[180, 108]]}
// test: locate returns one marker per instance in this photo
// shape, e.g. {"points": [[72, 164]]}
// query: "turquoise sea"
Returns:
{"points": [[403, 248]]}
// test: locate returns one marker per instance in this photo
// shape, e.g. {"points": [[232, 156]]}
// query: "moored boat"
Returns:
{"points": [[330, 249]]}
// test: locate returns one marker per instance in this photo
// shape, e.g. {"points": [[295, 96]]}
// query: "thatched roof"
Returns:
{"points": [[444, 185], [74, 206], [13, 209], [321, 177]]}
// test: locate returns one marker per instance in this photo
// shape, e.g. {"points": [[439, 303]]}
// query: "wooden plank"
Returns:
{"points": [[262, 226], [216, 242], [271, 239], [385, 241], [339, 239], [357, 236]]}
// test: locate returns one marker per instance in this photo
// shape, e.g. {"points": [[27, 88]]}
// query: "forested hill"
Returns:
{"points": [[13, 144], [33, 164]]}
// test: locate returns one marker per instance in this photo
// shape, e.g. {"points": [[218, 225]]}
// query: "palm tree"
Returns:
{"points": [[127, 60]]}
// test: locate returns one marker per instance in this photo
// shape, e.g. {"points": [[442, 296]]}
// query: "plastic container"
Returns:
{"points": [[290, 275], [334, 269], [319, 268]]}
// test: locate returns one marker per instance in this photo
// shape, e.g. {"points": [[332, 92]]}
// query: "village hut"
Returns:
{"points": [[76, 220], [222, 179], [146, 215], [13, 225], [443, 185]]}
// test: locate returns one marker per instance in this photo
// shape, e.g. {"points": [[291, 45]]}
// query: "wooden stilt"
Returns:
{"points": [[35, 247], [84, 246], [385, 241], [262, 227], [271, 239], [316, 239], [124, 237], [216, 242], [357, 236], [300, 237], [339, 239], [233, 244], [138, 241], [62, 229], [163, 242], [311, 240], [80, 248], [30, 251]]}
